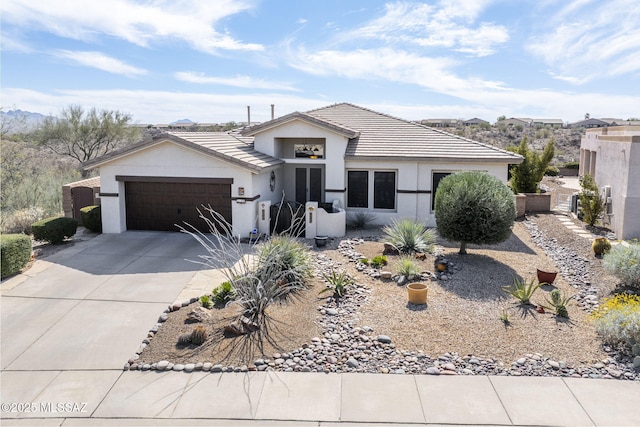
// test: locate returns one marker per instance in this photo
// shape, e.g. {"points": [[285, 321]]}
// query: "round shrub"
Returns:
{"points": [[92, 218], [54, 230], [474, 207], [617, 320], [552, 171], [16, 252], [623, 260]]}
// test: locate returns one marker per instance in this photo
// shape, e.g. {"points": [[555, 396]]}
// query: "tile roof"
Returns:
{"points": [[382, 136], [236, 150]]}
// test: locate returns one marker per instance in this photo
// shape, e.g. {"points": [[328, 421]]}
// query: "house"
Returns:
{"points": [[513, 121], [351, 157], [441, 123], [554, 123], [589, 123], [475, 122], [612, 155]]}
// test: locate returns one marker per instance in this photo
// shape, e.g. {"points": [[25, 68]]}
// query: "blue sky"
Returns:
{"points": [[207, 60]]}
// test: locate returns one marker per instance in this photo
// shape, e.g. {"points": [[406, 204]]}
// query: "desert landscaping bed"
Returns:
{"points": [[374, 329]]}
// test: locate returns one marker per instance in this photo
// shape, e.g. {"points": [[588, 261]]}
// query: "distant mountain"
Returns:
{"points": [[182, 122], [14, 121]]}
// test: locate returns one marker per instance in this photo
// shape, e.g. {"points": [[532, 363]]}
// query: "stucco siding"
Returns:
{"points": [[166, 160]]}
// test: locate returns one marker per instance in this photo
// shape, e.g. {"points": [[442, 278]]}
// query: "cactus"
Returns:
{"points": [[184, 339], [559, 302], [601, 245], [198, 335]]}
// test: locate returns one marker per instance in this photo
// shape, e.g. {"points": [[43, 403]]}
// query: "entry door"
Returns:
{"points": [[308, 185]]}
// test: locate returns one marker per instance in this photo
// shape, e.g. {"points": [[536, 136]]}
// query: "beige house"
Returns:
{"points": [[612, 156]]}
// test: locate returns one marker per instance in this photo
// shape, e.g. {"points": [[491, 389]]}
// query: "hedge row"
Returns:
{"points": [[15, 253], [54, 230]]}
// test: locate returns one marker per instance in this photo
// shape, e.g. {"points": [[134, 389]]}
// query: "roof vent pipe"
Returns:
{"points": [[273, 112], [248, 115]]}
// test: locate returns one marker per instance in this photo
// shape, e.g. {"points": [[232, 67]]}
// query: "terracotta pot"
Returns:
{"points": [[546, 276], [417, 293]]}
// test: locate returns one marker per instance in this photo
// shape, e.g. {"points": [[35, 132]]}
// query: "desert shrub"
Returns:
{"points": [[19, 221], [360, 219], [474, 207], [572, 165], [410, 236], [617, 319], [54, 230], [223, 293], [378, 261], [624, 262], [552, 171], [285, 258], [591, 203], [92, 218], [407, 267], [205, 301], [526, 177], [16, 252]]}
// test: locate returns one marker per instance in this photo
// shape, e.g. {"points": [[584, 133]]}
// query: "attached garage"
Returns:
{"points": [[159, 203], [160, 182]]}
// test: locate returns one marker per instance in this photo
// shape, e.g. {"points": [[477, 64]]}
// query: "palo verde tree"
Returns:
{"points": [[474, 207], [526, 177], [85, 135]]}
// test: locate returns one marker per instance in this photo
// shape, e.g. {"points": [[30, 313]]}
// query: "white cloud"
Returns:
{"points": [[140, 23], [246, 82], [449, 24], [101, 62], [589, 40]]}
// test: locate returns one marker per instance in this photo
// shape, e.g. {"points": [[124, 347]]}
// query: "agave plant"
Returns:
{"points": [[522, 290], [410, 236], [337, 281]]}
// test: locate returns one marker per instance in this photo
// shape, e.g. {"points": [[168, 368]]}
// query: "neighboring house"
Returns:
{"points": [[612, 155], [441, 123], [353, 157], [475, 122], [555, 123], [513, 121], [589, 123]]}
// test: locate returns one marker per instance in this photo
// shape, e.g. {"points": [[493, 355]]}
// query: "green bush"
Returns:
{"points": [[407, 267], [409, 236], [526, 177], [552, 171], [572, 165], [16, 252], [474, 207], [54, 230], [378, 261], [591, 203], [92, 218], [285, 258], [624, 262]]}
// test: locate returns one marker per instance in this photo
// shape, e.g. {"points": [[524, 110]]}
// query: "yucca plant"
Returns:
{"points": [[522, 290], [407, 267], [559, 302], [410, 236], [337, 281], [360, 219]]}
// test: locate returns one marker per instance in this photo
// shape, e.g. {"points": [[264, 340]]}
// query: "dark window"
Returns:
{"points": [[358, 189], [437, 177], [384, 190]]}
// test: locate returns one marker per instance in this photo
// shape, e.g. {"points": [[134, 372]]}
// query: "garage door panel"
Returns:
{"points": [[161, 205]]}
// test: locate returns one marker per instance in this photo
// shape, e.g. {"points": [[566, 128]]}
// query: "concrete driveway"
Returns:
{"points": [[89, 306]]}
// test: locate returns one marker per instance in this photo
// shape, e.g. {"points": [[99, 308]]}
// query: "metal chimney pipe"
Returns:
{"points": [[272, 111], [248, 115]]}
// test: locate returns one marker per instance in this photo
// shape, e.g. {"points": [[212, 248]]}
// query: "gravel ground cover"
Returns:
{"points": [[374, 329]]}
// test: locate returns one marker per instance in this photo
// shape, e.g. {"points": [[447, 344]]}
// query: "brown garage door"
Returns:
{"points": [[161, 205]]}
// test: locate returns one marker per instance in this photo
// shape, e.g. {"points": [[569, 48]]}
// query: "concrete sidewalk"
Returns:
{"points": [[71, 322], [270, 398]]}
